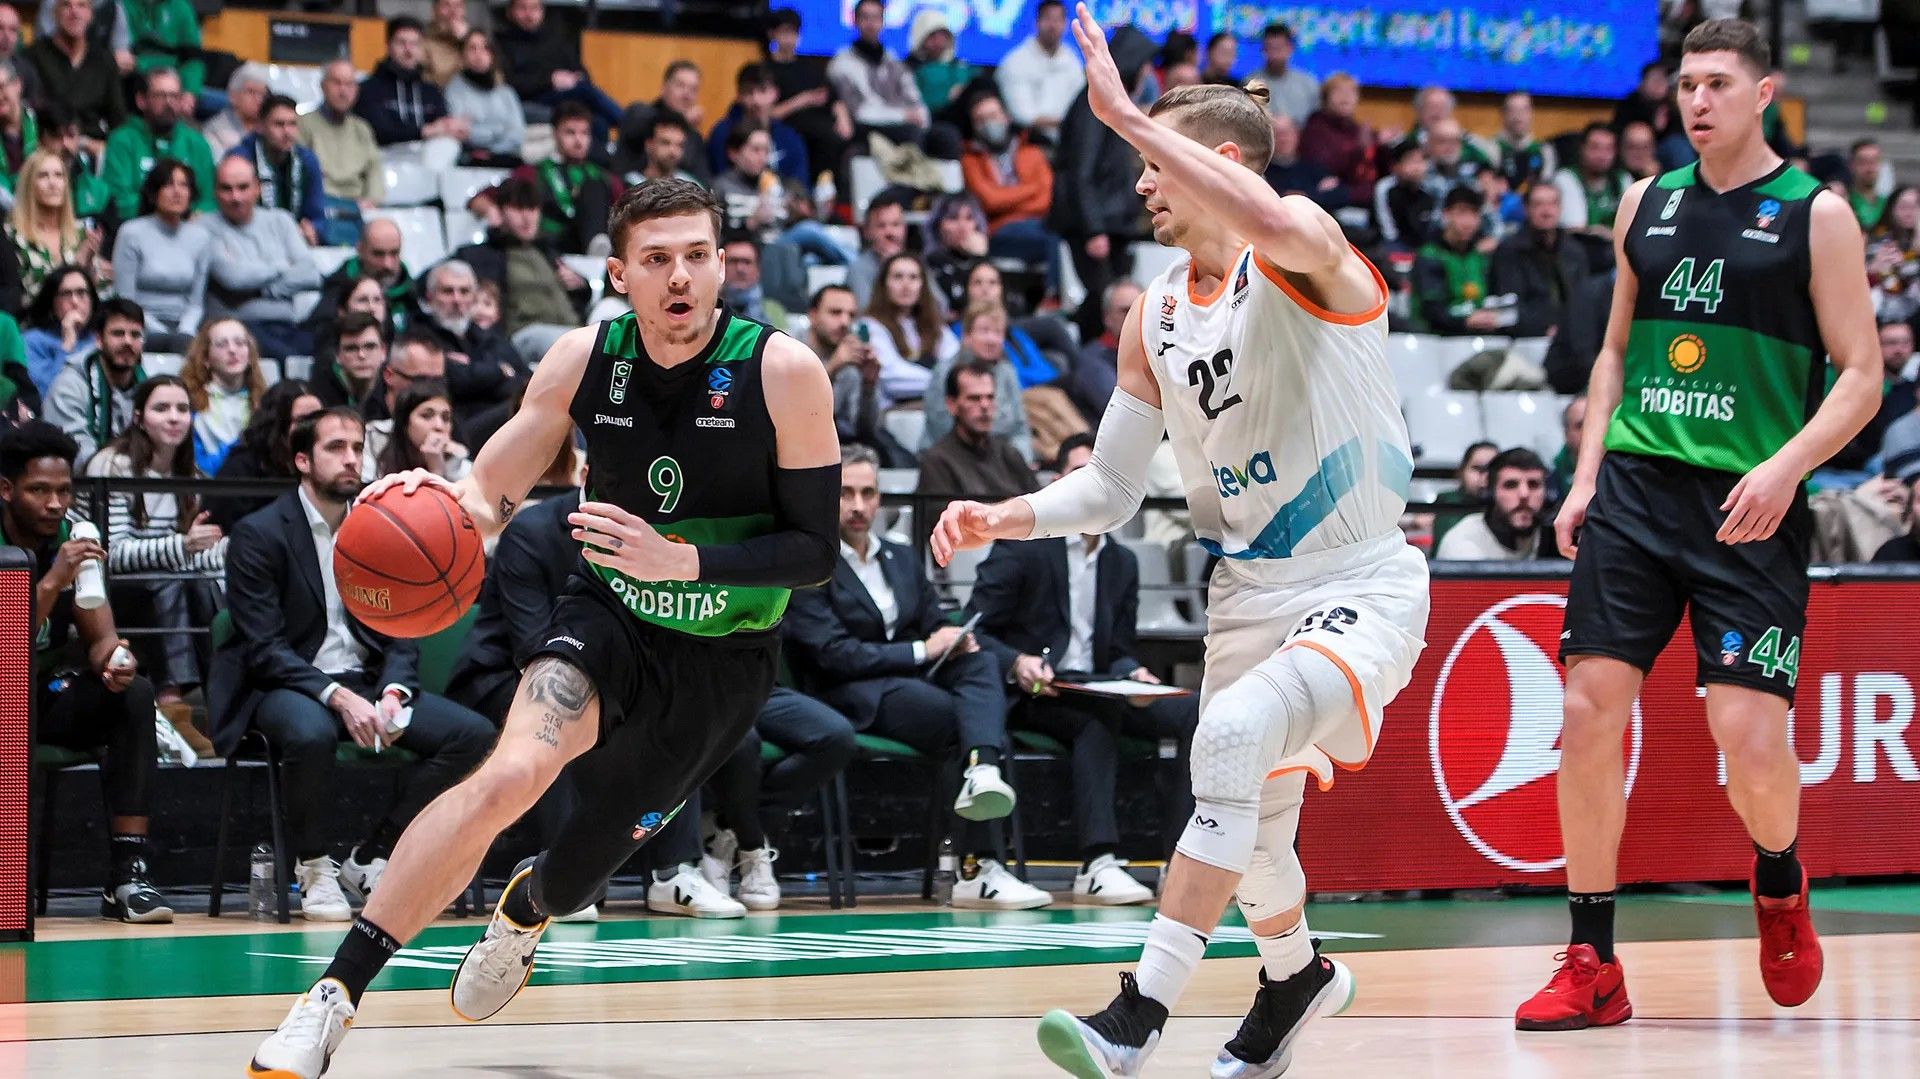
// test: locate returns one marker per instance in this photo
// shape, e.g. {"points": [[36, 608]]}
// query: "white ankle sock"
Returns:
{"points": [[1287, 954], [1167, 963]]}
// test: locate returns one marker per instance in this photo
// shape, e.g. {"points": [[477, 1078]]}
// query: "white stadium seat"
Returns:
{"points": [[1150, 260], [1157, 611], [457, 185], [1072, 291], [409, 183], [1416, 366], [1532, 349], [819, 277], [899, 481], [1522, 418], [297, 81], [422, 243], [329, 259], [1442, 424], [162, 363], [906, 425], [463, 228], [961, 571]]}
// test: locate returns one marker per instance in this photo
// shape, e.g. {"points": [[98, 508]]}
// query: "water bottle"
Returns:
{"points": [[947, 872], [824, 195], [260, 885], [90, 584]]}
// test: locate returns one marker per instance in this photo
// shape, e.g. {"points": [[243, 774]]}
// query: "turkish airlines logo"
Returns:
{"points": [[1494, 733]]}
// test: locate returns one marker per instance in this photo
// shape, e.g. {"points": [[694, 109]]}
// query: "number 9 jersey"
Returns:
{"points": [[1284, 417]]}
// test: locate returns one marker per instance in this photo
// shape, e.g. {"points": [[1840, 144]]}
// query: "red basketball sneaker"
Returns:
{"points": [[1790, 958], [1584, 993]]}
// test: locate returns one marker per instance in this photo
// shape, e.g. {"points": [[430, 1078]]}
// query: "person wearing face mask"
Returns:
{"points": [[224, 385], [1011, 178], [161, 532]]}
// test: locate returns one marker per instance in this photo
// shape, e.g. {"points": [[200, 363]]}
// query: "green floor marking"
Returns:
{"points": [[1891, 899], [675, 949]]}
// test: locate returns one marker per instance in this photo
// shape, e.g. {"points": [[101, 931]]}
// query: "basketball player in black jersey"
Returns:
{"points": [[715, 490]]}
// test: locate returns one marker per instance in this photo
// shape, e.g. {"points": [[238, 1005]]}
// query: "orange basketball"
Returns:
{"points": [[408, 565]]}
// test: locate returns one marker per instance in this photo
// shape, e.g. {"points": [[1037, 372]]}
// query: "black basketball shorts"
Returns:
{"points": [[673, 706], [1648, 554]]}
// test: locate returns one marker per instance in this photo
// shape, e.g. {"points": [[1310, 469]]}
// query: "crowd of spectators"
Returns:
{"points": [[165, 210]]}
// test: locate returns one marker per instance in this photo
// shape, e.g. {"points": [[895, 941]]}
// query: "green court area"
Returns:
{"points": [[671, 949]]}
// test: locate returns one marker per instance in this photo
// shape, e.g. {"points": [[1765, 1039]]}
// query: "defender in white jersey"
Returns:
{"points": [[1262, 354]]}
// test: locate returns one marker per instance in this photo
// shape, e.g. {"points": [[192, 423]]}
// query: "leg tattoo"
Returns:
{"points": [[562, 692]]}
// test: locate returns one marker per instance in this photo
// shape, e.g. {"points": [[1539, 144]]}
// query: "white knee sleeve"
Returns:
{"points": [[1242, 733], [1274, 881]]}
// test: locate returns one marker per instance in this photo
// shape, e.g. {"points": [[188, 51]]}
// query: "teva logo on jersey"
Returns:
{"points": [[1494, 733], [1237, 481], [1673, 205], [719, 382]]}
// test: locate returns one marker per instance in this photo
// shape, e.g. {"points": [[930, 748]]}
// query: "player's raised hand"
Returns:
{"points": [[1106, 93], [619, 540], [1573, 514], [409, 481], [963, 526], [1758, 503]]}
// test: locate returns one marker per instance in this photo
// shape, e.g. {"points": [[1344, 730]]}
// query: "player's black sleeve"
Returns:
{"points": [[801, 553]]}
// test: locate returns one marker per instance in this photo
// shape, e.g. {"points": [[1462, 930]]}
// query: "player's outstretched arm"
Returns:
{"points": [[1605, 384], [515, 458], [1098, 498], [1844, 309], [1291, 232]]}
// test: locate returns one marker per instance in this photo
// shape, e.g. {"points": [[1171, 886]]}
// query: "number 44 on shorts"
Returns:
{"points": [[1772, 659]]}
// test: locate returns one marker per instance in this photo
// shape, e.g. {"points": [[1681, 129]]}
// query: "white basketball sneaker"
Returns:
{"points": [[994, 888], [984, 795], [691, 895], [359, 877], [321, 899], [500, 963], [584, 916], [759, 890], [302, 1046], [719, 850], [1107, 882]]}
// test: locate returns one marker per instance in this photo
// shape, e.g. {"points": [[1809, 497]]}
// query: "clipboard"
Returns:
{"points": [[1124, 687], [965, 630]]}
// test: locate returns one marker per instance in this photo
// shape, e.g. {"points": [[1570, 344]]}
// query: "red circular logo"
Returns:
{"points": [[1494, 733]]}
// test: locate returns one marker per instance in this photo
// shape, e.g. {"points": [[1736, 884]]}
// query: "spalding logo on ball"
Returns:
{"points": [[408, 565]]}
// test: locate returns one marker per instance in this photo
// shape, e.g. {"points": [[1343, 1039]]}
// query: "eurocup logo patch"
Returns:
{"points": [[648, 824], [1731, 645], [719, 382], [1768, 212], [1494, 733]]}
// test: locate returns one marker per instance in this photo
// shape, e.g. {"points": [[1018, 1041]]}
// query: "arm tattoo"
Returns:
{"points": [[560, 691], [506, 509]]}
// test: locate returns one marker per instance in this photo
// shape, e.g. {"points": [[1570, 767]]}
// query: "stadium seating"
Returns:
{"points": [[422, 241], [1442, 424], [1522, 418], [1157, 613], [906, 425], [297, 81]]}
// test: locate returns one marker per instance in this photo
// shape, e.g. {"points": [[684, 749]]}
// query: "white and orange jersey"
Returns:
{"points": [[1283, 415]]}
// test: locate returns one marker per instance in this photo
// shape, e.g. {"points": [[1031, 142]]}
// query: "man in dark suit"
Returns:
{"points": [[1072, 603], [301, 670], [865, 642]]}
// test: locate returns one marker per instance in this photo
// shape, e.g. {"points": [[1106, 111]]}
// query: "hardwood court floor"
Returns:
{"points": [[896, 990]]}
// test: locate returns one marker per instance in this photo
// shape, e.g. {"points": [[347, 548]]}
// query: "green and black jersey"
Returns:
{"points": [[690, 450], [1724, 356]]}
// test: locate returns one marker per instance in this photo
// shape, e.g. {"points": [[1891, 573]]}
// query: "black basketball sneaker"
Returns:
{"points": [[1264, 1046], [1114, 1042]]}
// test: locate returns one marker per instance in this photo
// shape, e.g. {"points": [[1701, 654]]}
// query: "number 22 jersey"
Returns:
{"points": [[1284, 417]]}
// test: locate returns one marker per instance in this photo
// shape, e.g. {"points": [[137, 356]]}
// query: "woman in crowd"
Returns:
{"points": [[985, 287], [905, 330], [956, 241], [1893, 258], [481, 94], [224, 385], [160, 258], [420, 435], [60, 324], [364, 295], [43, 229], [1471, 494], [162, 532], [263, 452], [1335, 138]]}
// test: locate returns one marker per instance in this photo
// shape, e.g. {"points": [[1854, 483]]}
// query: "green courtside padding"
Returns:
{"points": [[872, 745], [438, 652]]}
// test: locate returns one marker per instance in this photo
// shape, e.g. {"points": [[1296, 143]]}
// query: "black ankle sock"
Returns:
{"points": [[366, 950], [983, 755], [1776, 873], [127, 850], [518, 903], [1593, 921]]}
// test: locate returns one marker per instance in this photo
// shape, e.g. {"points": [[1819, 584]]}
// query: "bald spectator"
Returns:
{"points": [[542, 63], [1291, 92], [246, 90], [351, 173], [1042, 75], [70, 67], [156, 132], [260, 262], [289, 172], [377, 256], [1451, 159]]}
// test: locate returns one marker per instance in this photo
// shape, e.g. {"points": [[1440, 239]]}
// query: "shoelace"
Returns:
{"points": [[1255, 1039], [1121, 1022], [763, 863], [502, 961], [1783, 924], [1564, 978], [308, 1023]]}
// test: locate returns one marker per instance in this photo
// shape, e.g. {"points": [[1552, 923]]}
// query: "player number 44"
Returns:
{"points": [[1772, 659], [1682, 289]]}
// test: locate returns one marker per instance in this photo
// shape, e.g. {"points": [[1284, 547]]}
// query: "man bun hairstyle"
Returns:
{"points": [[1213, 113]]}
